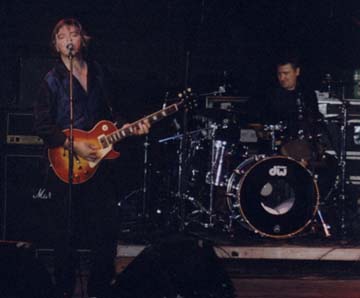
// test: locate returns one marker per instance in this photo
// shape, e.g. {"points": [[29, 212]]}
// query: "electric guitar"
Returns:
{"points": [[103, 135]]}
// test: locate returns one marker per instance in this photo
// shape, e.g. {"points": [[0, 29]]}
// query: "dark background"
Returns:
{"points": [[154, 47], [149, 44]]}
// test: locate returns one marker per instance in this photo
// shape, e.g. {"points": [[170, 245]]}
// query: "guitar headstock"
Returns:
{"points": [[189, 99]]}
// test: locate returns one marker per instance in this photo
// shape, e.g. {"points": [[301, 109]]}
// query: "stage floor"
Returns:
{"points": [[297, 268], [308, 266], [272, 252]]}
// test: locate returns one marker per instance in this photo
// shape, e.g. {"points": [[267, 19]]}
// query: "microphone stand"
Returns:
{"points": [[71, 146]]}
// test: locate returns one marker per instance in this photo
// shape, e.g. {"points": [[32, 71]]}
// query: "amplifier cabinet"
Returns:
{"points": [[28, 207], [352, 135], [331, 107], [20, 129]]}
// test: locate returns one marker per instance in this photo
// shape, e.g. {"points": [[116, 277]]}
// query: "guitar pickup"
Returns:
{"points": [[103, 141]]}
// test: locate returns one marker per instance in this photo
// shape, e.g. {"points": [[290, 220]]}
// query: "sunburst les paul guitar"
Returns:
{"points": [[103, 135]]}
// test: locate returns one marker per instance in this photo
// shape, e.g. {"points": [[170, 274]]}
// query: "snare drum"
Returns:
{"points": [[273, 196]]}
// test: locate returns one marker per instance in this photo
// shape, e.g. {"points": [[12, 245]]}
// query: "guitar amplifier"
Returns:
{"points": [[19, 129], [28, 209]]}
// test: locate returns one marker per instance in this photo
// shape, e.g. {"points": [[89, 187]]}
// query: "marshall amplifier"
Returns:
{"points": [[19, 129], [28, 199]]}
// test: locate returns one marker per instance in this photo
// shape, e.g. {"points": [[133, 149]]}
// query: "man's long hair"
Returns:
{"points": [[85, 38]]}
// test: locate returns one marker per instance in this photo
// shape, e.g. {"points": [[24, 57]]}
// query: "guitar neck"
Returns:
{"points": [[122, 133]]}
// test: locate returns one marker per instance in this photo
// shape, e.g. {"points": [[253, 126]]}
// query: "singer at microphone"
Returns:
{"points": [[70, 48], [89, 216]]}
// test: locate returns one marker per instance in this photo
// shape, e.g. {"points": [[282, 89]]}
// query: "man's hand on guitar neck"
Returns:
{"points": [[90, 151], [141, 129], [84, 149]]}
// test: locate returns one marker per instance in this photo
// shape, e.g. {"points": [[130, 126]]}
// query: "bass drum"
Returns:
{"points": [[273, 196]]}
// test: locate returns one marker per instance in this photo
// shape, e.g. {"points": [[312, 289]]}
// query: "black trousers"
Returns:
{"points": [[92, 226]]}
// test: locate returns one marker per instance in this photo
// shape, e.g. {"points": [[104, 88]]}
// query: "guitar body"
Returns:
{"points": [[83, 169], [103, 135]]}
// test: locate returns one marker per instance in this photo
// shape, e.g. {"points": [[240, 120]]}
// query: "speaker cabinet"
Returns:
{"points": [[21, 274], [28, 202], [175, 267]]}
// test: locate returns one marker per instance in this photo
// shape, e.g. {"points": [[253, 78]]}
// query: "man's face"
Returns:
{"points": [[287, 76], [67, 35]]}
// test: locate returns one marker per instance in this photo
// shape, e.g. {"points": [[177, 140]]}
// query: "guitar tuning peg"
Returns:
{"points": [[180, 95], [188, 90]]}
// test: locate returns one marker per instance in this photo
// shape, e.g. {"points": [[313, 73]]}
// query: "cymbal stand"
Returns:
{"points": [[146, 168], [213, 174], [213, 178], [182, 172], [197, 215], [342, 165]]}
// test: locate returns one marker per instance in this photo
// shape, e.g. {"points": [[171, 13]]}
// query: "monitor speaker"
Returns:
{"points": [[175, 267]]}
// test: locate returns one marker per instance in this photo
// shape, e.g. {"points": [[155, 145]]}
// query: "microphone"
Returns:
{"points": [[70, 48]]}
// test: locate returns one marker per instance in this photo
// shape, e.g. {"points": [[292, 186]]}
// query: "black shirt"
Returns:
{"points": [[296, 109]]}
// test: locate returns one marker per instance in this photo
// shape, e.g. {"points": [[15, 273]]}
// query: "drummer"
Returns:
{"points": [[292, 107]]}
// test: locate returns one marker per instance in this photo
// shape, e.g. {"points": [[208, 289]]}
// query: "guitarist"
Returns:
{"points": [[93, 203]]}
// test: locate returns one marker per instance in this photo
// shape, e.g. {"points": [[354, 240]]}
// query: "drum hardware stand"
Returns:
{"points": [[183, 159], [342, 163], [144, 214], [340, 183], [324, 224], [233, 217], [196, 134], [183, 150], [141, 215], [274, 128], [200, 208], [212, 177], [213, 174], [184, 163]]}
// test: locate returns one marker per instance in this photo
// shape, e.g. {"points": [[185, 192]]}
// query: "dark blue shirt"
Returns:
{"points": [[52, 113]]}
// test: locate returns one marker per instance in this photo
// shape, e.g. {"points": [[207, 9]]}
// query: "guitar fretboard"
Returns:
{"points": [[122, 133]]}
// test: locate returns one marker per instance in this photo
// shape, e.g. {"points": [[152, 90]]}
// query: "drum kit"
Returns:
{"points": [[244, 176], [247, 175]]}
